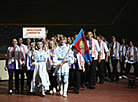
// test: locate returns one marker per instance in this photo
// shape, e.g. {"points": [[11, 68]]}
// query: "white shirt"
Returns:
{"points": [[103, 48], [40, 56], [60, 53], [80, 61], [115, 49], [29, 59], [13, 56], [108, 46], [24, 50], [123, 50], [69, 45], [132, 55], [94, 48], [50, 53]]}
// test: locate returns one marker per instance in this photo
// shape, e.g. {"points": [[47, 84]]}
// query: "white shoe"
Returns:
{"points": [[58, 88], [65, 90], [51, 92], [10, 92], [61, 92], [136, 78], [65, 95], [124, 76], [31, 90], [43, 93], [54, 90], [120, 77]]}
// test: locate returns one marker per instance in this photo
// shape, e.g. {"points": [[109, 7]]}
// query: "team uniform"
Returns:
{"points": [[101, 66], [107, 64], [94, 49], [76, 71], [14, 60], [23, 50], [40, 71], [123, 51], [63, 72], [51, 70], [69, 45], [115, 49], [132, 60], [30, 66]]}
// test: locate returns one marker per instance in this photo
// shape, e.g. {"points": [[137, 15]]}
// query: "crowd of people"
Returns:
{"points": [[54, 64]]}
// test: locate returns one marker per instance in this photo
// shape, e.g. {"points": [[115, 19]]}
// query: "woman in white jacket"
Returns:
{"points": [[40, 57]]}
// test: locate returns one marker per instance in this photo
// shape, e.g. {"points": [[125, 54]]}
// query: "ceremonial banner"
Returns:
{"points": [[34, 32]]}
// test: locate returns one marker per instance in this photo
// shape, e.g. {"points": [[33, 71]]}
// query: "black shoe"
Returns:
{"points": [[116, 79], [77, 92], [110, 80], [101, 82], [89, 87], [84, 87], [22, 91], [93, 87], [16, 91]]}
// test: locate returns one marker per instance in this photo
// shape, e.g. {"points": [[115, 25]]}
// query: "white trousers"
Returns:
{"points": [[63, 72], [41, 72]]}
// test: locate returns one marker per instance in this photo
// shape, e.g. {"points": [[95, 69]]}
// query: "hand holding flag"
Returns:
{"points": [[81, 44]]}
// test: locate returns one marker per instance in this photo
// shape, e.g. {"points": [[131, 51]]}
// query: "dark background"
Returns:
{"points": [[110, 17]]}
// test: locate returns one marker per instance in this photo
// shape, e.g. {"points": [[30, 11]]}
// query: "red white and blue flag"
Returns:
{"points": [[81, 44]]}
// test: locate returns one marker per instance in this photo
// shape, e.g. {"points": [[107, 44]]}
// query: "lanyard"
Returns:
{"points": [[114, 48], [102, 48], [51, 52], [23, 50], [93, 49], [13, 52]]}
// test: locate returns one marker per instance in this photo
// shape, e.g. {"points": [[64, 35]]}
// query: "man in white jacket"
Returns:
{"points": [[104, 58], [132, 59], [95, 54]]}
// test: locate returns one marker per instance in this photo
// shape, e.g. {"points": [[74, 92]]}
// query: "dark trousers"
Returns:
{"points": [[76, 78], [10, 72], [123, 69], [17, 72], [83, 78], [115, 72], [85, 75], [135, 65], [92, 73], [107, 65], [101, 70], [29, 74], [53, 79]]}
